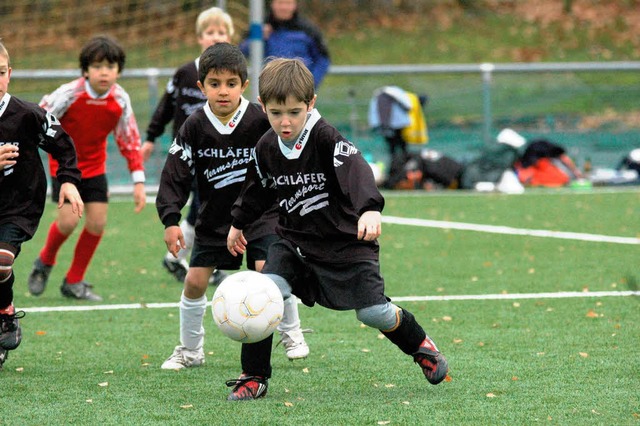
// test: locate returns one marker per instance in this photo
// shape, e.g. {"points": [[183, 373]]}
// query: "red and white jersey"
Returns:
{"points": [[89, 119]]}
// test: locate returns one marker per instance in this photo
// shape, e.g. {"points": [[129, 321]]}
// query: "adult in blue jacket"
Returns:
{"points": [[288, 35]]}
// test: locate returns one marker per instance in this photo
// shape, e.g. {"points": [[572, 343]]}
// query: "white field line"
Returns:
{"points": [[510, 231], [515, 296]]}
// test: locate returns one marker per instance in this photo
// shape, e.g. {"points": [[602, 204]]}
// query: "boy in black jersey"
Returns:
{"points": [[181, 98], [214, 146], [25, 127], [329, 223]]}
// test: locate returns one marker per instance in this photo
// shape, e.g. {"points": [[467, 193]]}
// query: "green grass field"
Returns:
{"points": [[514, 359]]}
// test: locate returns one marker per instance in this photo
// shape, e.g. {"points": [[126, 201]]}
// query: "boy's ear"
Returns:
{"points": [[245, 85], [262, 105], [312, 103], [200, 86]]}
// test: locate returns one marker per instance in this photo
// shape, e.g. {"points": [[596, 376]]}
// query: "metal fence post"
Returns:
{"points": [[487, 70]]}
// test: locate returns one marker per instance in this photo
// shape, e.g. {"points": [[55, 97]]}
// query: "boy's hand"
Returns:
{"points": [[68, 191], [369, 226], [174, 239], [139, 196], [236, 243], [8, 154], [146, 150]]}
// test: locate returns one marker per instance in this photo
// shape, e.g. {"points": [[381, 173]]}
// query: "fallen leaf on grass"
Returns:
{"points": [[305, 370], [389, 385], [446, 318], [491, 395], [384, 422], [457, 340], [103, 384], [108, 372], [41, 333], [406, 402], [288, 404], [365, 350], [592, 314], [447, 378], [89, 401], [20, 369], [514, 378], [583, 354], [516, 304], [186, 406]]}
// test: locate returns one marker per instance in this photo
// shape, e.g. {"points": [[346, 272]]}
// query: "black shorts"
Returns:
{"points": [[339, 286], [12, 237], [257, 249], [92, 190], [206, 256]]}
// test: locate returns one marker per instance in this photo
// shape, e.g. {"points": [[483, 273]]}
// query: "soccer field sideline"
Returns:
{"points": [[501, 296]]}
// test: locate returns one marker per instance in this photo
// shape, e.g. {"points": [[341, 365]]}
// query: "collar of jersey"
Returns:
{"points": [[4, 102], [92, 93], [227, 129], [296, 149]]}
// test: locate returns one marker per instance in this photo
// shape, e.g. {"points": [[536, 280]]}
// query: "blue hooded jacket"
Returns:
{"points": [[296, 38]]}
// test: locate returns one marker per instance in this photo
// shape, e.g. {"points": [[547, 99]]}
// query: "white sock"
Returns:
{"points": [[291, 317], [192, 313]]}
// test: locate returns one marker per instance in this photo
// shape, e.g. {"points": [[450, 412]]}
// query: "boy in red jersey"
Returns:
{"points": [[90, 108], [25, 127], [329, 223]]}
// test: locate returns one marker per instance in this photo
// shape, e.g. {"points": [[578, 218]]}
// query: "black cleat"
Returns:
{"points": [[177, 268], [39, 277], [434, 365], [247, 388], [10, 331]]}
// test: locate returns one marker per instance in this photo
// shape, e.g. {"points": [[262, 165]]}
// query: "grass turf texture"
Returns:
{"points": [[568, 361]]}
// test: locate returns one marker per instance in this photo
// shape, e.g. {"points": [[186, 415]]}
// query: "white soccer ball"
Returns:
{"points": [[247, 306]]}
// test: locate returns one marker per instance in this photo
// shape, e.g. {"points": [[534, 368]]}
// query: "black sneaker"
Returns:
{"points": [[434, 365], [10, 331], [247, 388], [177, 268], [217, 277], [81, 291], [4, 354], [39, 277]]}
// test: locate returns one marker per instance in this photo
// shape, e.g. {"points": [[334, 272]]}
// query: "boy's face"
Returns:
{"points": [[223, 90], [5, 75], [102, 75], [214, 33], [287, 119]]}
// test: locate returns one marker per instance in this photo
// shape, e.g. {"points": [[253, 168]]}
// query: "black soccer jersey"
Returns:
{"points": [[181, 98], [23, 186], [322, 185], [218, 156]]}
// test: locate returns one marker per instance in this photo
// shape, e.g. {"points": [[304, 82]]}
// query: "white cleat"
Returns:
{"points": [[294, 343], [183, 358]]}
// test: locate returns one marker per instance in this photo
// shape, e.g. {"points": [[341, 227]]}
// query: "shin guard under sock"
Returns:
{"points": [[408, 335]]}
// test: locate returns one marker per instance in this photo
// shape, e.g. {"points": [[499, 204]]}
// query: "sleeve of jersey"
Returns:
{"points": [[128, 139], [256, 197], [58, 101], [175, 182], [59, 144], [355, 178], [164, 112]]}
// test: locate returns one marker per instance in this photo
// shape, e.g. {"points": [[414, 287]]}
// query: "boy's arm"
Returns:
{"points": [[55, 141], [128, 141], [256, 196], [175, 181], [356, 179], [163, 114]]}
